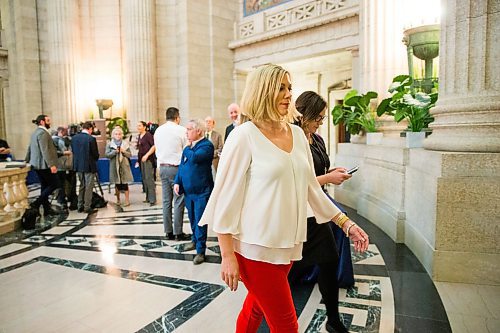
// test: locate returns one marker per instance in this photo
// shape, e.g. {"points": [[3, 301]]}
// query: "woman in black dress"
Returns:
{"points": [[320, 248]]}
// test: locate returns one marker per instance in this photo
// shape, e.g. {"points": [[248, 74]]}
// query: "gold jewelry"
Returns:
{"points": [[341, 219], [349, 228]]}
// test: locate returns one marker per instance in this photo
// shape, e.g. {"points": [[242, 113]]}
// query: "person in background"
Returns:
{"points": [[170, 139], [320, 248], [42, 155], [259, 209], [4, 151], [85, 156], [64, 165], [194, 179], [216, 139], [118, 152], [233, 111], [147, 159]]}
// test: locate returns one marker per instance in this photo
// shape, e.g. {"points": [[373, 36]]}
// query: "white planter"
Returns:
{"points": [[415, 139], [356, 138], [374, 138]]}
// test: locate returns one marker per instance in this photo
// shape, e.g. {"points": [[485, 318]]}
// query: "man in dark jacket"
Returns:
{"points": [[233, 111], [194, 179], [85, 156], [42, 156]]}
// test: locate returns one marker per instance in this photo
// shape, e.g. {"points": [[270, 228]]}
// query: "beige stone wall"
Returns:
{"points": [[453, 213], [166, 58], [205, 70]]}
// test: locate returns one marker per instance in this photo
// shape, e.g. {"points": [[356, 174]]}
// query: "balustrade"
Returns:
{"points": [[13, 197]]}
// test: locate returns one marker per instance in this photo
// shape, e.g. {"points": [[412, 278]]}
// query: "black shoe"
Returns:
{"points": [[80, 210], [189, 246], [90, 211], [152, 204], [182, 237], [198, 259], [170, 236], [336, 328], [50, 211]]}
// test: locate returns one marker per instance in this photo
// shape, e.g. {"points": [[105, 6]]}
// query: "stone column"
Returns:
{"points": [[23, 99], [382, 54], [451, 190], [467, 115], [138, 21], [356, 77], [64, 59]]}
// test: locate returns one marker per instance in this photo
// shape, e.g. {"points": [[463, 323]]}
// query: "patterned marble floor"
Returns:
{"points": [[114, 271]]}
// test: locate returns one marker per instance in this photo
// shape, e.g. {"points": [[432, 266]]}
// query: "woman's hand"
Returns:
{"points": [[337, 176], [230, 271], [176, 189], [358, 237]]}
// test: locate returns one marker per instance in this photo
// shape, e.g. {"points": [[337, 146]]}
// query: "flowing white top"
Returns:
{"points": [[261, 194]]}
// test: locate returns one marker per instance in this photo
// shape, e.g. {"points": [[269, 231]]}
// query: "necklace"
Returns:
{"points": [[270, 127]]}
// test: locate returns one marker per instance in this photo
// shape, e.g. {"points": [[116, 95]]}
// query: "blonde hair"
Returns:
{"points": [[259, 96]]}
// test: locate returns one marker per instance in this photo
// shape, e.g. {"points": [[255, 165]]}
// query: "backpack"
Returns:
{"points": [[29, 218], [98, 201]]}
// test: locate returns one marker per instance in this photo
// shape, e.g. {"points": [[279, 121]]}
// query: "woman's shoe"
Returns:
{"points": [[337, 327], [126, 204]]}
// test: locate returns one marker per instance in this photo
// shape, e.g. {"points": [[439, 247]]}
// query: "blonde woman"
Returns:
{"points": [[120, 174], [258, 207]]}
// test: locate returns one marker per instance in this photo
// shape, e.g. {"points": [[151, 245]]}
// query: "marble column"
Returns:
{"points": [[64, 59], [381, 52], [138, 21], [23, 97], [467, 114], [451, 190]]}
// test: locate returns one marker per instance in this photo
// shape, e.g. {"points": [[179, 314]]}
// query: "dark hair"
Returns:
{"points": [[143, 123], [172, 113], [39, 118], [87, 125], [309, 104]]}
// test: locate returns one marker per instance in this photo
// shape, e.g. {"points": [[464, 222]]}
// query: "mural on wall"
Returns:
{"points": [[254, 6]]}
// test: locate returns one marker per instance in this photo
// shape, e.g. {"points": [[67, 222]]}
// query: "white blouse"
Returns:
{"points": [[261, 194]]}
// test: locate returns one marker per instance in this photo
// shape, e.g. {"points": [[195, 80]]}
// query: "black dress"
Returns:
{"points": [[320, 248]]}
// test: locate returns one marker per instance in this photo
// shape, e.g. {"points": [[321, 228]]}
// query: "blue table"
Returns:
{"points": [[103, 170]]}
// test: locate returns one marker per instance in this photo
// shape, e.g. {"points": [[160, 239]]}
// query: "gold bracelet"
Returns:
{"points": [[349, 228], [343, 219], [339, 218]]}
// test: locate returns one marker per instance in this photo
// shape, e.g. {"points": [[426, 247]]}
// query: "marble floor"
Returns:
{"points": [[114, 271]]}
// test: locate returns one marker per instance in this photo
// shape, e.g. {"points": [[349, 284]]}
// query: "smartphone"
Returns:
{"points": [[353, 170]]}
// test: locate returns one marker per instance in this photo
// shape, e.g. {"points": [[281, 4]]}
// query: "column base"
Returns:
{"points": [[451, 205]]}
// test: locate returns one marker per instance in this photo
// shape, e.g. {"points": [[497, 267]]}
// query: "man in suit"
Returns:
{"points": [[216, 139], [85, 156], [194, 179], [234, 114], [42, 155]]}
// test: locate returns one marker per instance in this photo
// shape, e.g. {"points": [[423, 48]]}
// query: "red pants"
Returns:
{"points": [[268, 296]]}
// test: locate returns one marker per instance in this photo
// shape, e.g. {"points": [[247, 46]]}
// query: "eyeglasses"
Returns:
{"points": [[320, 118]]}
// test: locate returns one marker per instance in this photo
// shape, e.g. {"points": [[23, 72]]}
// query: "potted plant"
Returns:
{"points": [[355, 112], [414, 106]]}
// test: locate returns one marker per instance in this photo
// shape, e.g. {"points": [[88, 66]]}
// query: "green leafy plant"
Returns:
{"points": [[355, 112], [117, 121], [405, 103]]}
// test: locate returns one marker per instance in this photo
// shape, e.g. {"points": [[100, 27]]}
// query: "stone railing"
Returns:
{"points": [[13, 196], [275, 22]]}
